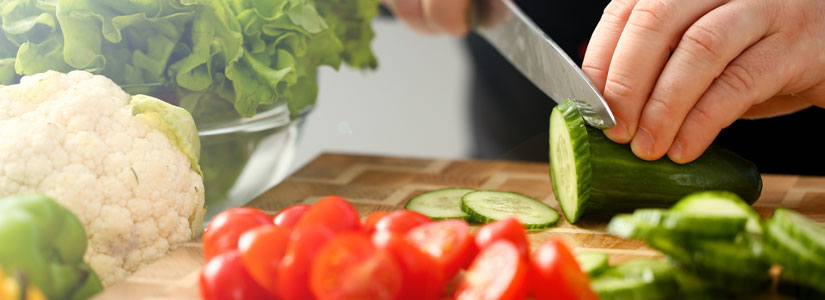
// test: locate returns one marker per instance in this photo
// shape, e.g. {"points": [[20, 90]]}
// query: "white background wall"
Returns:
{"points": [[414, 104]]}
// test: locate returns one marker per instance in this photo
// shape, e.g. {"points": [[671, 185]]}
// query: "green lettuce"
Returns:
{"points": [[204, 55]]}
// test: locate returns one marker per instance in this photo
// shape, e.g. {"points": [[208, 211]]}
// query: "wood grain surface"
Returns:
{"points": [[374, 183]]}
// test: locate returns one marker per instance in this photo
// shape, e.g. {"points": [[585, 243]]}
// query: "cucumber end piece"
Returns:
{"points": [[570, 171]]}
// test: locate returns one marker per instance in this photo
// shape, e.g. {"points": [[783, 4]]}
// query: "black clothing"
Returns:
{"points": [[511, 115]]}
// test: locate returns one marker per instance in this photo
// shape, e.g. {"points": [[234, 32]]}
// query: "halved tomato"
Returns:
{"points": [[349, 267], [371, 219], [555, 274], [509, 229], [421, 278], [262, 249], [225, 278], [294, 271], [499, 272], [291, 215], [226, 228], [448, 242], [334, 212], [401, 221]]}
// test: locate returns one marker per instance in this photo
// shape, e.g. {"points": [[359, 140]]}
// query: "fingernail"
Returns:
{"points": [[619, 132], [642, 143], [675, 151]]}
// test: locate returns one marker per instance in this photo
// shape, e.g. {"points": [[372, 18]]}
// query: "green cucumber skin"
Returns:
{"points": [[621, 182]]}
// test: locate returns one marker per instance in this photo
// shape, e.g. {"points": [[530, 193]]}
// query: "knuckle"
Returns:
{"points": [[617, 86], [702, 43], [737, 79], [651, 15], [700, 117], [593, 71], [659, 106]]}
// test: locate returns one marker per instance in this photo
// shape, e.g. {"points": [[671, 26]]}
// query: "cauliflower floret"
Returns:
{"points": [[131, 176]]}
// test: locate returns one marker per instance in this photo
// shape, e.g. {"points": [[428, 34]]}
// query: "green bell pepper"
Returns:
{"points": [[46, 242]]}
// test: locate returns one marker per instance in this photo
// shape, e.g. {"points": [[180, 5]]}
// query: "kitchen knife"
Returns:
{"points": [[534, 54]]}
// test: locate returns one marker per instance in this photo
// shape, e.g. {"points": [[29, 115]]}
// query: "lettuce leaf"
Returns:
{"points": [[245, 54]]}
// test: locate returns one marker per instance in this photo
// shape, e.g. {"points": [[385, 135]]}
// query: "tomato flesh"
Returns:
{"points": [[262, 249], [226, 228], [499, 272], [225, 278], [448, 242], [555, 274], [350, 267], [371, 219], [334, 212], [421, 278], [291, 215], [294, 271], [401, 221], [509, 229]]}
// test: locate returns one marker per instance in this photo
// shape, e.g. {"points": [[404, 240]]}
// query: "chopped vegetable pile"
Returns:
{"points": [[324, 251], [215, 53]]}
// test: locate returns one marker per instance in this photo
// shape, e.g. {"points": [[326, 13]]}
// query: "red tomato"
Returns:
{"points": [[223, 232], [350, 267], [371, 219], [401, 221], [291, 215], [555, 274], [421, 278], [509, 229], [333, 212], [224, 278], [448, 241], [293, 273], [262, 249], [499, 272]]}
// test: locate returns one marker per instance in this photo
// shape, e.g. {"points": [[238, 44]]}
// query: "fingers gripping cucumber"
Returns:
{"points": [[592, 173]]}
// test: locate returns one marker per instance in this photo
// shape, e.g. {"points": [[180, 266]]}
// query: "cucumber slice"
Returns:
{"points": [[628, 227], [491, 206], [609, 288], [570, 170], [799, 264], [808, 232], [641, 278], [593, 263], [692, 224], [719, 204], [440, 204]]}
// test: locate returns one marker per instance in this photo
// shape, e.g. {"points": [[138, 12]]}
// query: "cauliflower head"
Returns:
{"points": [[125, 165]]}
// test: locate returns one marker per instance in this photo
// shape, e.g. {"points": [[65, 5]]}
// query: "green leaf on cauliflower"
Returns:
{"points": [[175, 122]]}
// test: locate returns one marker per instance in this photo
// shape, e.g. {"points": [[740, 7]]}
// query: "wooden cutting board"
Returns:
{"points": [[374, 183]]}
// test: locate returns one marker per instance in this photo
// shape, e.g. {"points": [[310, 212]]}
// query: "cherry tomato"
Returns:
{"points": [[225, 278], [262, 249], [506, 229], [401, 221], [448, 241], [499, 272], [223, 232], [333, 212], [371, 219], [291, 215], [350, 267], [555, 274], [293, 273], [421, 277]]}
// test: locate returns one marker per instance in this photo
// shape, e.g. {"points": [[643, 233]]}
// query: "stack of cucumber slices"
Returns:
{"points": [[484, 207], [716, 247]]}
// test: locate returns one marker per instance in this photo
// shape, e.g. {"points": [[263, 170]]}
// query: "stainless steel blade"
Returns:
{"points": [[539, 58]]}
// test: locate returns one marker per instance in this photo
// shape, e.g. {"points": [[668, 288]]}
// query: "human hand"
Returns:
{"points": [[730, 59], [433, 16]]}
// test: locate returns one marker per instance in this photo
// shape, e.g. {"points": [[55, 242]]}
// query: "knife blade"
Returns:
{"points": [[539, 58]]}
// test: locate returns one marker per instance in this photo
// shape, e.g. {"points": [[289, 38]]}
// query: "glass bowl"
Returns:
{"points": [[240, 157]]}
